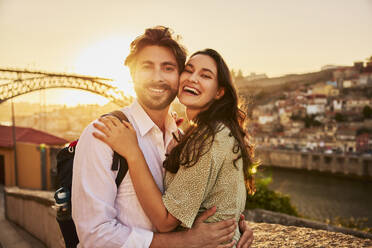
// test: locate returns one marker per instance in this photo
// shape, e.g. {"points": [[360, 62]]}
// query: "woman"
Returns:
{"points": [[210, 166]]}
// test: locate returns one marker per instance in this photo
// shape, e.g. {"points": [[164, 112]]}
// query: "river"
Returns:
{"points": [[323, 196]]}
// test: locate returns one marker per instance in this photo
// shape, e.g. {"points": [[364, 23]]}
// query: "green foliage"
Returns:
{"points": [[270, 200], [367, 112], [233, 74], [279, 129], [309, 120], [240, 74], [359, 224], [363, 130], [316, 123], [339, 117], [296, 118]]}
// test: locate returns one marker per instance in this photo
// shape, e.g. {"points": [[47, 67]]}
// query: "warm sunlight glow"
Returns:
{"points": [[106, 59]]}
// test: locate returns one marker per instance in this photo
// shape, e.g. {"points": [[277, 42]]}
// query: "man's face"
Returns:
{"points": [[155, 76]]}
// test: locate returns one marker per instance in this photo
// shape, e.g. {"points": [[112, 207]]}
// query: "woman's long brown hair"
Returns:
{"points": [[199, 137]]}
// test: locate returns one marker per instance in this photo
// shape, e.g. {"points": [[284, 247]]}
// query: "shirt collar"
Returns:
{"points": [[144, 122], [141, 118]]}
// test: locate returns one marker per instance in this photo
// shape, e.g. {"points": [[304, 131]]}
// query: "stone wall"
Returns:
{"points": [[333, 163], [279, 236], [33, 211], [265, 216]]}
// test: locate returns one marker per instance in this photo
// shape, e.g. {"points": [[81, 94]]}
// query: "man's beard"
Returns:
{"points": [[154, 102]]}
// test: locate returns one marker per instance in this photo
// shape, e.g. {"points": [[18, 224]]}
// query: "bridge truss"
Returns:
{"points": [[15, 82]]}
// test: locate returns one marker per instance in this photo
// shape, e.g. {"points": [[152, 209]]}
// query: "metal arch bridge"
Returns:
{"points": [[14, 82]]}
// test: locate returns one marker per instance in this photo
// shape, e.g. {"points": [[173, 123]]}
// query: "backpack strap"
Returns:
{"points": [[118, 159], [119, 114], [122, 170]]}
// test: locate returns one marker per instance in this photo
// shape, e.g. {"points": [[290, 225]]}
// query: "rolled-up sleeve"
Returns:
{"points": [[93, 198]]}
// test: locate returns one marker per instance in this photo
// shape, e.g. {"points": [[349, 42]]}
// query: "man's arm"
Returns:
{"points": [[206, 234], [93, 198], [122, 138], [201, 235]]}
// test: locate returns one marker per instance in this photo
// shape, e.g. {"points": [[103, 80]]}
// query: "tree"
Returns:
{"points": [[233, 74], [310, 121], [339, 117], [240, 74], [279, 129], [296, 117], [363, 130], [265, 198], [367, 112], [307, 121]]}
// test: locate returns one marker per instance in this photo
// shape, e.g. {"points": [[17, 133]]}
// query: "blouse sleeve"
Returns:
{"points": [[191, 185]]}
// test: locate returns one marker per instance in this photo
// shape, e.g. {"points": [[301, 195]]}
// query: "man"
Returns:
{"points": [[107, 216]]}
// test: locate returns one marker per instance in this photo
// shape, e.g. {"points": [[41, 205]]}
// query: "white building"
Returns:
{"points": [[337, 105], [264, 119], [315, 109], [365, 79]]}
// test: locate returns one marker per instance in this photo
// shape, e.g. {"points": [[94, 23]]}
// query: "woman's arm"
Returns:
{"points": [[122, 138], [149, 194]]}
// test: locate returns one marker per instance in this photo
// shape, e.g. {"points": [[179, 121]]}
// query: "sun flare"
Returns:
{"points": [[105, 58]]}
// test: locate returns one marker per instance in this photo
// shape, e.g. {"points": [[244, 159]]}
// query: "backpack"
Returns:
{"points": [[65, 160]]}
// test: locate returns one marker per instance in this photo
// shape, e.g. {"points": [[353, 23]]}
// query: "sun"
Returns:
{"points": [[105, 58]]}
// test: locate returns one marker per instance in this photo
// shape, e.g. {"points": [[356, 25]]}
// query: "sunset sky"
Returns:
{"points": [[273, 37]]}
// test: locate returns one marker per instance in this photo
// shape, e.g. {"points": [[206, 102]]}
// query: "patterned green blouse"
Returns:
{"points": [[213, 181]]}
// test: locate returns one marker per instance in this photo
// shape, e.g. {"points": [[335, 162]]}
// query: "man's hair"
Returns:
{"points": [[157, 36]]}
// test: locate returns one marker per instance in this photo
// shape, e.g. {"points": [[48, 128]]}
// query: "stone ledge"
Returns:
{"points": [[43, 197], [275, 235], [266, 234], [261, 215]]}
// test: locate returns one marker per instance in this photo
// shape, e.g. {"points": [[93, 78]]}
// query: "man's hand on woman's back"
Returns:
{"points": [[246, 238], [206, 235]]}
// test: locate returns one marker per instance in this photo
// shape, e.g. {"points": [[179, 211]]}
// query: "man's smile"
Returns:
{"points": [[157, 90]]}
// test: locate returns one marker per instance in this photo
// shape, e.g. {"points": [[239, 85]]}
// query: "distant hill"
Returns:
{"points": [[261, 90]]}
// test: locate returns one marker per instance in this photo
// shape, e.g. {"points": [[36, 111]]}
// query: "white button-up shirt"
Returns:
{"points": [[104, 215]]}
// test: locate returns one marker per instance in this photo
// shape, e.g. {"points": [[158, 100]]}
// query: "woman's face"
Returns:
{"points": [[199, 84]]}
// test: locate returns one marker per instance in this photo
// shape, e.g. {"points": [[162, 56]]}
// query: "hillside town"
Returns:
{"points": [[333, 116], [330, 116]]}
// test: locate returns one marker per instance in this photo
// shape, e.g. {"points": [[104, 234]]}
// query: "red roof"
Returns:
{"points": [[28, 135]]}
